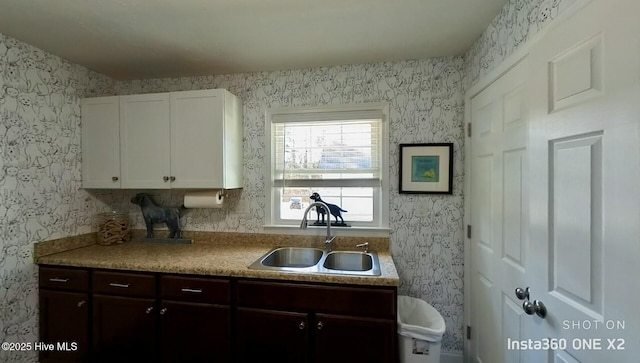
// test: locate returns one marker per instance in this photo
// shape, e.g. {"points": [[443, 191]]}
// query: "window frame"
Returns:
{"points": [[380, 194]]}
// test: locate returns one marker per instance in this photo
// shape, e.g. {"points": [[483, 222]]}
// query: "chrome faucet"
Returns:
{"points": [[303, 223]]}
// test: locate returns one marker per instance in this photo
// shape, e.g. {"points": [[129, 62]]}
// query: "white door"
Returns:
{"points": [[584, 185], [145, 141], [100, 142], [498, 216], [579, 188], [197, 137]]}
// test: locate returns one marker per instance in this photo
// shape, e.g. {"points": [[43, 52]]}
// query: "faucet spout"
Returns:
{"points": [[303, 223]]}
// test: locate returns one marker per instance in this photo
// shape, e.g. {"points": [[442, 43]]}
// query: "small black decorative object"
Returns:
{"points": [[334, 210], [153, 213]]}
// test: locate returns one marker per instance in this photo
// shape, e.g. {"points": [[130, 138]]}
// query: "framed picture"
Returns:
{"points": [[426, 168]]}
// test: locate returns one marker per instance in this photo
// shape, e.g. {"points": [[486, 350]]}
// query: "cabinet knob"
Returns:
{"points": [[301, 325], [149, 310], [165, 178], [320, 325], [114, 178], [163, 311], [81, 303], [173, 178]]}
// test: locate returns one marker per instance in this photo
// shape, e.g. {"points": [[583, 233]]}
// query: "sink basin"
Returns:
{"points": [[291, 257], [348, 261], [315, 260]]}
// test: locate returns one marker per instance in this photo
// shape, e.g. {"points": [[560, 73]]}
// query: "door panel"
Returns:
{"points": [[585, 201], [562, 207], [499, 215]]}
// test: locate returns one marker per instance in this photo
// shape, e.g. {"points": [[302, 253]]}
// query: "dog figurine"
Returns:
{"points": [[333, 209], [153, 213]]}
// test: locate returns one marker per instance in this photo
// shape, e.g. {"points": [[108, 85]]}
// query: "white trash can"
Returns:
{"points": [[420, 330]]}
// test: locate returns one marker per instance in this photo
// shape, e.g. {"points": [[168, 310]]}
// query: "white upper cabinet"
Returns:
{"points": [[100, 147], [206, 140], [187, 140], [145, 151]]}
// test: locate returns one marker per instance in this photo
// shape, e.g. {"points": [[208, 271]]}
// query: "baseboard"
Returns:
{"points": [[451, 357]]}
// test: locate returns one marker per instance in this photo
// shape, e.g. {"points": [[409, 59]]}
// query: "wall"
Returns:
{"points": [[425, 99], [517, 23], [40, 196]]}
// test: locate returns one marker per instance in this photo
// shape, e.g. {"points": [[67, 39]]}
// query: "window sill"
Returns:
{"points": [[322, 230]]}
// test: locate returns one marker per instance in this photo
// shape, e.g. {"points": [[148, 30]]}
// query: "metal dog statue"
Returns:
{"points": [[153, 213], [334, 210]]}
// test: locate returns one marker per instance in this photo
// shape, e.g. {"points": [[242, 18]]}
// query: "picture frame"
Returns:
{"points": [[426, 168]]}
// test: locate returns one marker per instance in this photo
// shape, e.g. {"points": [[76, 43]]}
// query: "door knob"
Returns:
{"points": [[535, 307], [522, 294]]}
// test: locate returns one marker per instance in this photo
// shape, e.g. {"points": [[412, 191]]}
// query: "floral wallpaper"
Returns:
{"points": [[40, 195], [41, 199]]}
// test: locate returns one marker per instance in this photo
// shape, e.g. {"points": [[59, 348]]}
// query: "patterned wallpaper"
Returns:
{"points": [[41, 199], [40, 195], [425, 101], [517, 22]]}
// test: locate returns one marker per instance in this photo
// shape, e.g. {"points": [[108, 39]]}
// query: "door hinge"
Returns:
{"points": [[469, 129], [468, 332], [469, 231]]}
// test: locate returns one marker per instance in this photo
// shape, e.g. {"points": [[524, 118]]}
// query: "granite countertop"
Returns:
{"points": [[203, 257]]}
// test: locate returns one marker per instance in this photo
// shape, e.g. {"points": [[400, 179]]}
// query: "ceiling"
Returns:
{"points": [[141, 39]]}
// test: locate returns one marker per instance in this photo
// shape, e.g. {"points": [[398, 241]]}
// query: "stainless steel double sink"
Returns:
{"points": [[315, 260]]}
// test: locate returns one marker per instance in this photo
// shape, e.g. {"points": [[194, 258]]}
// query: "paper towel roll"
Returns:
{"points": [[204, 199]]}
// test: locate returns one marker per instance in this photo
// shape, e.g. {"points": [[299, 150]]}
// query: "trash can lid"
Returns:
{"points": [[418, 319]]}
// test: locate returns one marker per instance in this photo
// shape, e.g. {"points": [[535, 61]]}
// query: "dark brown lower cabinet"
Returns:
{"points": [[116, 316], [194, 332], [354, 339], [271, 336], [315, 323], [124, 329], [64, 322]]}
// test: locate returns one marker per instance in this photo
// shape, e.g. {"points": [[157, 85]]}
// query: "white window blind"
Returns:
{"points": [[327, 149], [336, 151]]}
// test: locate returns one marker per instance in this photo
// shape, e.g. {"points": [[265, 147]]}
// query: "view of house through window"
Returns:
{"points": [[337, 157]]}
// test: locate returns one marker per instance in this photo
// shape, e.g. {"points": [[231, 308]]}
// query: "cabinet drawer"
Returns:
{"points": [[194, 289], [64, 278], [358, 301], [124, 284]]}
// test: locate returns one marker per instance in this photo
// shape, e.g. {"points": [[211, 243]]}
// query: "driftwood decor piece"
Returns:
{"points": [[154, 214]]}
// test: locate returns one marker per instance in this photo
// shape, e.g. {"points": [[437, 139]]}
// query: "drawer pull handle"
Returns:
{"points": [[320, 325], [59, 279], [81, 303], [117, 284], [149, 310], [301, 325], [163, 311], [193, 291]]}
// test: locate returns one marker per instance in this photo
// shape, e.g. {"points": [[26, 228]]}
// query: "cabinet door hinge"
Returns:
{"points": [[469, 231], [469, 129], [468, 332]]}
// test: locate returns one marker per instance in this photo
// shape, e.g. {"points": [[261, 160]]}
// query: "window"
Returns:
{"points": [[338, 152]]}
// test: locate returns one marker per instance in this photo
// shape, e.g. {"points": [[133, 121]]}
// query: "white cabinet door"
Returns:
{"points": [[197, 139], [100, 142], [145, 141], [206, 136]]}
